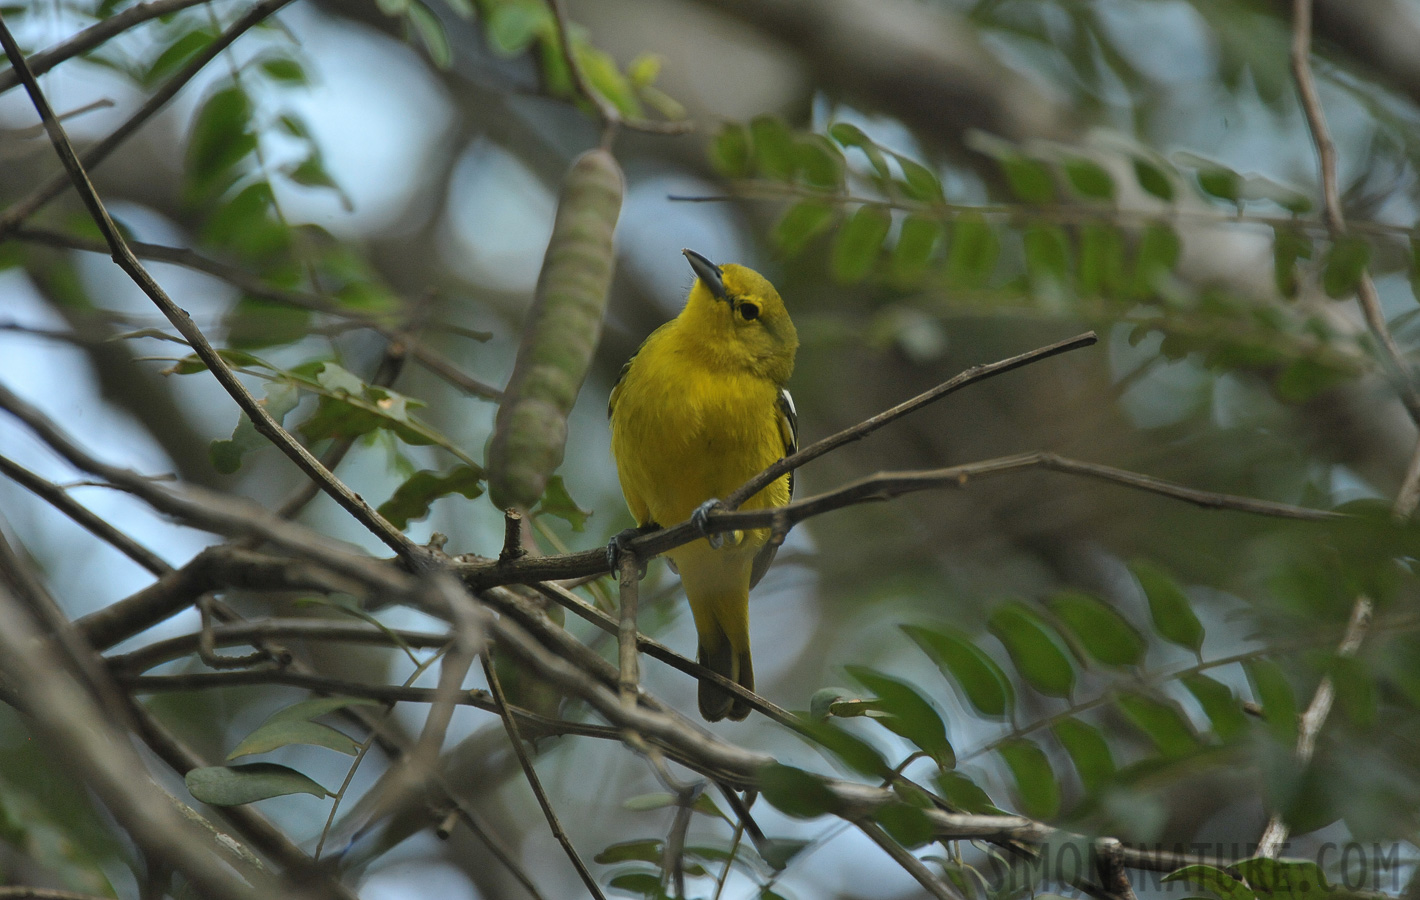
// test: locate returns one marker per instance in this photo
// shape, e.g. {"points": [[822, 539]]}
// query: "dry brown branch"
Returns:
{"points": [[510, 724], [76, 730]]}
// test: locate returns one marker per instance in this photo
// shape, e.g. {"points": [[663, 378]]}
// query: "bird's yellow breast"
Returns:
{"points": [[683, 433]]}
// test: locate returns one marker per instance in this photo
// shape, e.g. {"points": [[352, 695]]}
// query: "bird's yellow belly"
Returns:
{"points": [[684, 445]]}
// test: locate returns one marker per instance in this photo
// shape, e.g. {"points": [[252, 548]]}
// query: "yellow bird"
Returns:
{"points": [[697, 411]]}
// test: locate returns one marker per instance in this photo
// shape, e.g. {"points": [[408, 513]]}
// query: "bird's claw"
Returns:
{"points": [[701, 520], [617, 546]]}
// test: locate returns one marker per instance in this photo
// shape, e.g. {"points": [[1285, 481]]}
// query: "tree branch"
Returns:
{"points": [[265, 424]]}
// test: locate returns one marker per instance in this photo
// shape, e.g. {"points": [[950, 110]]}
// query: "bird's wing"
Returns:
{"points": [[616, 388], [789, 429]]}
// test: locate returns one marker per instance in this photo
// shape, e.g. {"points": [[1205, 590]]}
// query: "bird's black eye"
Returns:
{"points": [[749, 311]]}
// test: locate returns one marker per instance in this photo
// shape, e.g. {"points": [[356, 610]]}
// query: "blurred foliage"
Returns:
{"points": [[1140, 678]]}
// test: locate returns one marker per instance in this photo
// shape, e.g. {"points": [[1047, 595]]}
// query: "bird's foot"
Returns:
{"points": [[701, 520], [617, 547]]}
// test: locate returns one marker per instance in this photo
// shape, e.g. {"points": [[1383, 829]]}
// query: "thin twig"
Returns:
{"points": [[872, 488], [1109, 864], [1275, 835], [46, 192], [1366, 294], [57, 497], [515, 737], [611, 117], [96, 34], [431, 359], [868, 426], [626, 632], [123, 255], [914, 866]]}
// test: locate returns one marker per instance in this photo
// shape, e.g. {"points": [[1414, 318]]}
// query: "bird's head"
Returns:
{"points": [[741, 318]]}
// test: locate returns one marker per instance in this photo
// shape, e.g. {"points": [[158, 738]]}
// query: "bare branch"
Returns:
{"points": [[352, 502], [59, 498], [75, 729], [914, 866], [1315, 716], [96, 34], [1366, 294], [868, 426], [510, 724], [432, 360]]}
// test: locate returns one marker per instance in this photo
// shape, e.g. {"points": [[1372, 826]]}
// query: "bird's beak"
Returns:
{"points": [[708, 273]]}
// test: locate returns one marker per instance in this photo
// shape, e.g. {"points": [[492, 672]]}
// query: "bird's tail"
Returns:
{"points": [[719, 655]]}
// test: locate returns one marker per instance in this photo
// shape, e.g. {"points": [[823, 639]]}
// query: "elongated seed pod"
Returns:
{"points": [[560, 336]]}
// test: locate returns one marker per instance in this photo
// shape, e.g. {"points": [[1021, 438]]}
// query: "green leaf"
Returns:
{"points": [[850, 135], [1158, 254], [859, 242], [1289, 244], [283, 69], [245, 224], [1089, 178], [1047, 256], [773, 145], [1292, 879], [777, 852], [731, 151], [916, 242], [1172, 613], [963, 793], [1355, 690], [1344, 264], [1088, 752], [284, 732], [795, 792], [1219, 704], [643, 884], [512, 27], [1101, 260], [221, 137], [819, 161], [802, 222], [972, 252], [854, 752], [254, 323], [983, 683], [918, 181], [1152, 179], [1221, 182], [1029, 179], [1162, 722], [226, 455], [235, 785], [1029, 641], [1104, 633], [905, 824], [1274, 692], [412, 499], [1258, 187], [647, 850], [557, 502], [1035, 781], [908, 714], [177, 54], [1212, 879]]}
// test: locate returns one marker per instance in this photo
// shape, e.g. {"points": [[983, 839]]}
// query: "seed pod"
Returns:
{"points": [[563, 326]]}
